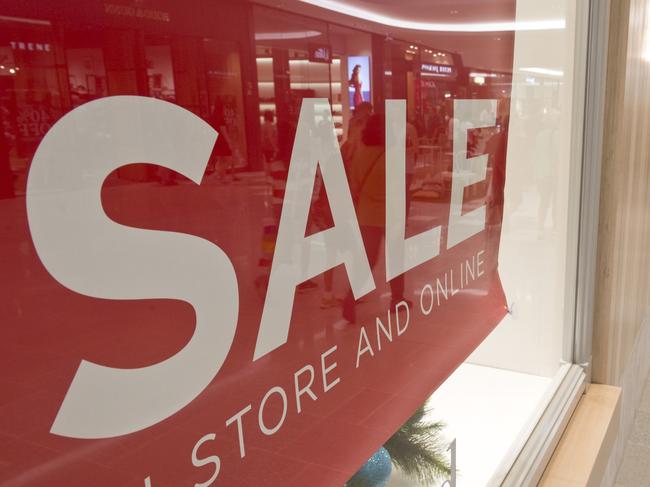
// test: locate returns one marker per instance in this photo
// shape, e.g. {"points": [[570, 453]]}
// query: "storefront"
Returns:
{"points": [[245, 241], [63, 63]]}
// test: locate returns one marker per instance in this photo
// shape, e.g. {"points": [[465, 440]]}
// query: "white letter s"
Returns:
{"points": [[202, 462], [92, 255]]}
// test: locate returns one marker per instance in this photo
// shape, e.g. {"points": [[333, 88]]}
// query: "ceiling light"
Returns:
{"points": [[346, 9], [544, 71], [24, 20], [278, 36]]}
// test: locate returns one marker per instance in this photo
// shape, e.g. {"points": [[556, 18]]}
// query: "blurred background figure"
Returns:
{"points": [[368, 185], [223, 155], [355, 82], [355, 130], [269, 137]]}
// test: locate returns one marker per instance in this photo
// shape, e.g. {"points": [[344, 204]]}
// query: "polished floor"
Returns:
{"points": [[635, 467]]}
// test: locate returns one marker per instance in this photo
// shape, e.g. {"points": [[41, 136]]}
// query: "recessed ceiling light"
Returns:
{"points": [[544, 71], [272, 36]]}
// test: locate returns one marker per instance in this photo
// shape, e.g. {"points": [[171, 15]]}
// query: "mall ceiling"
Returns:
{"points": [[452, 11], [448, 25]]}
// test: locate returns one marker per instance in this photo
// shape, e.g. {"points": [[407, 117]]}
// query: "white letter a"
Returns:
{"points": [[298, 258]]}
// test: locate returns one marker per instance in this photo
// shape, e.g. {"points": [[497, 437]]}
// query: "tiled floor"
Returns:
{"points": [[635, 468]]}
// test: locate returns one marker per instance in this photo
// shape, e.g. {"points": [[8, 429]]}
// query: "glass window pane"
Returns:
{"points": [[244, 242]]}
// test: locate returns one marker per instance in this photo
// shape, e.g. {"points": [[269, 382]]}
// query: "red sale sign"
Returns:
{"points": [[195, 298]]}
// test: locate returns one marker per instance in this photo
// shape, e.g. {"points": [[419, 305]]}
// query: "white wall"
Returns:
{"points": [[539, 235]]}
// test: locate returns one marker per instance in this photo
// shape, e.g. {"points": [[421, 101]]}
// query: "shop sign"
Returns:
{"points": [[437, 69], [22, 45], [137, 12], [320, 53], [33, 121]]}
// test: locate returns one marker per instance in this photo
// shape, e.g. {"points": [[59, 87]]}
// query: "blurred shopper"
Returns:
{"points": [[278, 171], [368, 186], [269, 137], [223, 154], [355, 130]]}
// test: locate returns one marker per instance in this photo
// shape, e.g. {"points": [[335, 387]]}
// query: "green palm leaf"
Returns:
{"points": [[419, 450]]}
